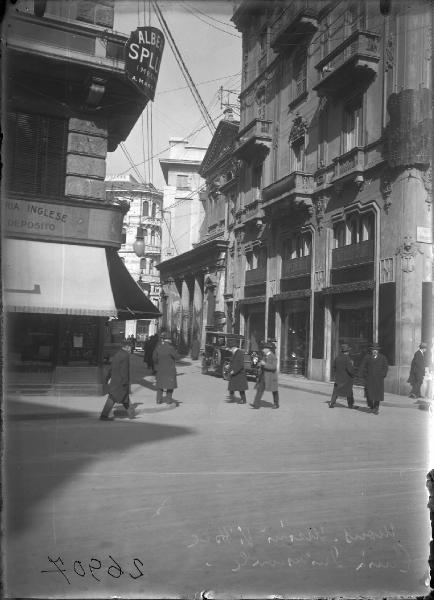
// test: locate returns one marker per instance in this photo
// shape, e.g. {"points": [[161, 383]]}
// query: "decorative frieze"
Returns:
{"points": [[387, 270]]}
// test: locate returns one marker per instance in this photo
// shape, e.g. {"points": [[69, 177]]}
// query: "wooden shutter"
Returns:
{"points": [[36, 148]]}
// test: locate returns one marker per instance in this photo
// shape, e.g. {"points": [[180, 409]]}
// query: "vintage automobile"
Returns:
{"points": [[217, 354]]}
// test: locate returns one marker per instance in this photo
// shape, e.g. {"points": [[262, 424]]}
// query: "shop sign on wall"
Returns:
{"points": [[59, 222], [143, 54]]}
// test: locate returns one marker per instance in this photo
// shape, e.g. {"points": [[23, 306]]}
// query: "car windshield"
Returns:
{"points": [[225, 340]]}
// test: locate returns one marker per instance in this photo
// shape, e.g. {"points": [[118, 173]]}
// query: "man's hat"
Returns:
{"points": [[374, 346], [423, 345], [345, 348]]}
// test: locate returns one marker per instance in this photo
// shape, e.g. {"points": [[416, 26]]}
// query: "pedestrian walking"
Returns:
{"points": [[237, 376], [164, 358], [132, 343], [343, 368], [373, 370], [118, 379], [417, 371], [151, 344], [268, 380]]}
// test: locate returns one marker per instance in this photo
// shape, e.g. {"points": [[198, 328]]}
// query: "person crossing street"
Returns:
{"points": [[343, 368], [118, 379], [237, 376], [373, 370], [268, 379]]}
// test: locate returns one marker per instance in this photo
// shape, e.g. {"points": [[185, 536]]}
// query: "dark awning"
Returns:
{"points": [[130, 300]]}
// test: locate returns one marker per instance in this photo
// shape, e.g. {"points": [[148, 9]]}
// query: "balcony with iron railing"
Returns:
{"points": [[254, 139], [152, 249], [296, 267], [353, 254], [295, 21], [354, 61]]}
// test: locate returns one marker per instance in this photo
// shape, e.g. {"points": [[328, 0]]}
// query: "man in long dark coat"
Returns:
{"points": [[237, 376], [268, 379], [343, 368], [164, 358], [417, 371], [374, 369], [118, 379]]}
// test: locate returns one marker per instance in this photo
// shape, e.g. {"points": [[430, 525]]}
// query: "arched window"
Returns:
{"points": [[152, 238], [154, 210], [143, 264], [145, 209]]}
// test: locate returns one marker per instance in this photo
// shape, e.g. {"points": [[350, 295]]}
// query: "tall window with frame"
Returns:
{"points": [[297, 155], [340, 234], [182, 182], [145, 208], [323, 133], [36, 147], [352, 124], [261, 104], [257, 180], [299, 69]]}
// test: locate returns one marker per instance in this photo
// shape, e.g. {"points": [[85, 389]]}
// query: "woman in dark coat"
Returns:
{"points": [[237, 376], [417, 371], [268, 379], [344, 375], [118, 378], [164, 358], [374, 369]]}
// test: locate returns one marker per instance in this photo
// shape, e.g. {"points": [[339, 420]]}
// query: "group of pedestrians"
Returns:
{"points": [[163, 364], [267, 380], [373, 371], [162, 361]]}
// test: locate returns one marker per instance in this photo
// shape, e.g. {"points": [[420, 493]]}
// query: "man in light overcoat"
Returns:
{"points": [[268, 380], [343, 368], [164, 358]]}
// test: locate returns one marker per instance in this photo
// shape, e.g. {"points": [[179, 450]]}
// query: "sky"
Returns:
{"points": [[210, 47]]}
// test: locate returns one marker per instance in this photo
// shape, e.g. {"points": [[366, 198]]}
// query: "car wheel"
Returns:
{"points": [[226, 370]]}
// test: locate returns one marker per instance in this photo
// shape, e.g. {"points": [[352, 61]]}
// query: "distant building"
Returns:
{"points": [[182, 209], [141, 234], [194, 282]]}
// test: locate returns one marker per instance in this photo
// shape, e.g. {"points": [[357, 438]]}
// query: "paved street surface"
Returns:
{"points": [[209, 495]]}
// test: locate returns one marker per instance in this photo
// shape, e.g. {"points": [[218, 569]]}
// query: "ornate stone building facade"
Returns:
{"points": [[197, 286], [333, 227]]}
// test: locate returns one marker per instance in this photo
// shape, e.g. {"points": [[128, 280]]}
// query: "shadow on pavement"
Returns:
{"points": [[42, 457]]}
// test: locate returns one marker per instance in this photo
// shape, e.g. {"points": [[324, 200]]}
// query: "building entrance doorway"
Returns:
{"points": [[295, 339], [353, 325]]}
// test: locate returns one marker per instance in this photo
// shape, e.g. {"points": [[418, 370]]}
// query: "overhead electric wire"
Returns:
{"points": [[193, 12], [209, 122], [130, 160]]}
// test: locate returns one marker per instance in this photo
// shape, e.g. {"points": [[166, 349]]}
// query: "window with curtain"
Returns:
{"points": [[145, 209], [297, 155], [352, 125], [36, 148], [299, 72]]}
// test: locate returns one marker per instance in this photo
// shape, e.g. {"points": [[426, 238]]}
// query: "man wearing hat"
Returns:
{"points": [[268, 380], [373, 370], [417, 370], [164, 358], [237, 375], [118, 379], [343, 369]]}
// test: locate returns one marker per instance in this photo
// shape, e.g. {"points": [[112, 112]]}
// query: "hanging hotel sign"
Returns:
{"points": [[143, 58]]}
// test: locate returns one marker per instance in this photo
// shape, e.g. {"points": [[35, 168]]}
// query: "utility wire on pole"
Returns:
{"points": [[207, 117]]}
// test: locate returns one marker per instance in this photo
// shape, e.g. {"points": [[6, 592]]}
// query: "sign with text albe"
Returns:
{"points": [[143, 58]]}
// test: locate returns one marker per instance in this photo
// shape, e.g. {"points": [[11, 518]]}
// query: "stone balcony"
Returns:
{"points": [[353, 255], [253, 140], [255, 276], [351, 64], [297, 20], [292, 192], [152, 249], [296, 267]]}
